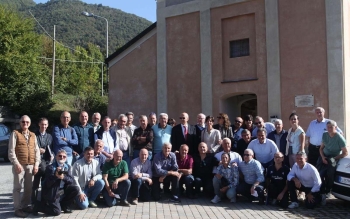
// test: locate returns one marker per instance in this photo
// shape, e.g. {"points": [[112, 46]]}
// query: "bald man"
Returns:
{"points": [[183, 133]]}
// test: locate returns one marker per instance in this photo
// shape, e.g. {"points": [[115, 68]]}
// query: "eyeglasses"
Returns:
{"points": [[61, 156], [65, 117], [257, 123], [24, 122], [181, 117], [247, 155], [238, 121]]}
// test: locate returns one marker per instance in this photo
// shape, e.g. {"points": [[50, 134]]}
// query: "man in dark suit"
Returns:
{"points": [[183, 133], [279, 136]]}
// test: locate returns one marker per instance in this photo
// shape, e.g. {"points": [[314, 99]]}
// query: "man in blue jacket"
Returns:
{"points": [[58, 189], [65, 137], [85, 133]]}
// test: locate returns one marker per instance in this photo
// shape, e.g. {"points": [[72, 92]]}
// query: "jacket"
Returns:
{"points": [[85, 137]]}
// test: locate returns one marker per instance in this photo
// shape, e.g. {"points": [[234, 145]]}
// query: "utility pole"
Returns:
{"points": [[53, 62], [102, 79]]}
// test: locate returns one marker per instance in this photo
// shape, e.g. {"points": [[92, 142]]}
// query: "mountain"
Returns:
{"points": [[73, 28]]}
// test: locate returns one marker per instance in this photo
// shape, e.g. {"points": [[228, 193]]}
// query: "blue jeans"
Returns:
{"points": [[91, 194], [122, 190], [136, 154], [69, 159], [230, 193]]}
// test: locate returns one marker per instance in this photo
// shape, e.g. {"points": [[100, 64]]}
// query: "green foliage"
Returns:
{"points": [[18, 5], [24, 80], [91, 103], [73, 28]]}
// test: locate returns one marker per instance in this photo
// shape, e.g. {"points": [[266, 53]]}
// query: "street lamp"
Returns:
{"points": [[87, 14]]}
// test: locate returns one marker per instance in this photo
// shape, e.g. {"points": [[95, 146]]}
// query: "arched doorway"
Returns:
{"points": [[239, 105]]}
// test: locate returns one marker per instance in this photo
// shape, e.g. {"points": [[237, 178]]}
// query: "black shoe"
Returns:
{"points": [[124, 203], [67, 210], [35, 210], [174, 199]]}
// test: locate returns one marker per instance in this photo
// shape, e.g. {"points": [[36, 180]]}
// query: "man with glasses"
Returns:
{"points": [[58, 189], [259, 123], [252, 171], [24, 154], [237, 132], [276, 181], [65, 137], [183, 133]]}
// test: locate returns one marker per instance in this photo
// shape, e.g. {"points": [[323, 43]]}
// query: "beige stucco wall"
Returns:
{"points": [[303, 55], [248, 20], [183, 65], [133, 85]]}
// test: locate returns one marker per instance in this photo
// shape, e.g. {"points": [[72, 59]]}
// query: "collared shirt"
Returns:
{"points": [[308, 176], [263, 152], [230, 173], [201, 127], [115, 171], [333, 145], [12, 146], [123, 140], [101, 158], [186, 163], [139, 132], [236, 136], [162, 164], [85, 136], [203, 168], [316, 130], [252, 171], [278, 140], [108, 142], [267, 125], [160, 136], [83, 172], [235, 157], [132, 128], [211, 139], [183, 129], [137, 167]]}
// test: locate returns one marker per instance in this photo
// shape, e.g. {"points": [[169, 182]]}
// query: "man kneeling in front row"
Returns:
{"points": [[88, 178], [304, 177], [58, 189], [141, 178]]}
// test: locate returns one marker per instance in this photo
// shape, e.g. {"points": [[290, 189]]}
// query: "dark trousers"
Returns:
{"points": [[169, 179], [188, 181], [327, 172], [266, 165], [314, 154], [243, 188], [54, 207], [207, 185], [274, 191], [36, 182], [122, 191], [293, 195], [140, 190]]}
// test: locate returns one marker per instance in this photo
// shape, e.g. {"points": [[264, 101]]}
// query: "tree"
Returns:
{"points": [[24, 79]]}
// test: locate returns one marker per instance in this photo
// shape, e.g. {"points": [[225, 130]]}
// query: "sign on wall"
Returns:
{"points": [[304, 100]]}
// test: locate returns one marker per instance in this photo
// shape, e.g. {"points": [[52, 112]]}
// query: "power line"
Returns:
{"points": [[67, 60]]}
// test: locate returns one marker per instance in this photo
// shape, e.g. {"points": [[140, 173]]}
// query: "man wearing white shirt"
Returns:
{"points": [[123, 138], [264, 149], [314, 135], [304, 177], [108, 137]]}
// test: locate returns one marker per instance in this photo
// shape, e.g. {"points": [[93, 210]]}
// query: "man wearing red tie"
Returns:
{"points": [[183, 133]]}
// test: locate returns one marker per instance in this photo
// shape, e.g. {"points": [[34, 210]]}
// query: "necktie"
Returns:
{"points": [[185, 132]]}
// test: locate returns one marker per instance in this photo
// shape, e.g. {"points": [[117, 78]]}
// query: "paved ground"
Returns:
{"points": [[198, 208]]}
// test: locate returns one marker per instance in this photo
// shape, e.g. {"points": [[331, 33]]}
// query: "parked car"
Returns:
{"points": [[5, 133], [341, 187]]}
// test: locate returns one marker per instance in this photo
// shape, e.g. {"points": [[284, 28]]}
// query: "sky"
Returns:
{"points": [[142, 8]]}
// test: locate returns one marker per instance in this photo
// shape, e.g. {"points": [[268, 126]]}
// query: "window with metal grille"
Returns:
{"points": [[239, 48]]}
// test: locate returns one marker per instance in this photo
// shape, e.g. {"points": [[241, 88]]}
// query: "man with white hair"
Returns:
{"points": [[95, 121], [183, 133], [200, 126], [24, 154], [123, 137], [252, 171], [161, 133], [314, 135]]}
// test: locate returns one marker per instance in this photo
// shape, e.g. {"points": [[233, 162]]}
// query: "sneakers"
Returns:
{"points": [[20, 213], [324, 199], [293, 205], [134, 201], [301, 196], [92, 204], [174, 198], [216, 199]]}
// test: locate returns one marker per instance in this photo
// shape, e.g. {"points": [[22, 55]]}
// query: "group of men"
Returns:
{"points": [[79, 163]]}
